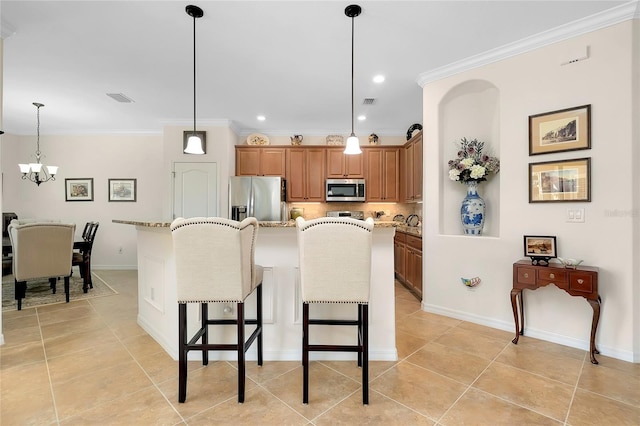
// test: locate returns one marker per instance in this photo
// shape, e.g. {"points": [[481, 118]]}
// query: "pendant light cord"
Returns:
{"points": [[352, 90], [194, 74]]}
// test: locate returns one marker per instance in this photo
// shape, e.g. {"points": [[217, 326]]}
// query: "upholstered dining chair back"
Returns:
{"points": [[215, 259], [335, 259], [41, 249]]}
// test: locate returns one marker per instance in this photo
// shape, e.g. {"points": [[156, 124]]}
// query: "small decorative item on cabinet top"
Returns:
{"points": [[373, 139], [413, 130], [296, 139], [335, 140], [257, 139], [540, 249]]}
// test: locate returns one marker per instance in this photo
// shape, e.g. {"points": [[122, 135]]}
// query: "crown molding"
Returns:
{"points": [[615, 15]]}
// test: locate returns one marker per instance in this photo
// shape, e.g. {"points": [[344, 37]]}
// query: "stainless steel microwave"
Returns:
{"points": [[345, 190]]}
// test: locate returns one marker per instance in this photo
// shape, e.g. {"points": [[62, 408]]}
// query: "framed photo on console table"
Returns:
{"points": [[78, 189], [540, 248], [563, 130], [122, 190], [556, 181]]}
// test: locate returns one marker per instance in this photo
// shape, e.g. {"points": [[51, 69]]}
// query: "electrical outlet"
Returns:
{"points": [[575, 215], [387, 213]]}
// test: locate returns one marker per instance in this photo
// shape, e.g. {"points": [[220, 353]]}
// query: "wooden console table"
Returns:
{"points": [[582, 281]]}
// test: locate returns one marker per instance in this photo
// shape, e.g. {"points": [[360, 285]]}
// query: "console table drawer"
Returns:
{"points": [[552, 275], [582, 282], [526, 275]]}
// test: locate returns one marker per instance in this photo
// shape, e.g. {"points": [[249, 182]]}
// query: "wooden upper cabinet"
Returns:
{"points": [[305, 174], [260, 161], [413, 168], [382, 167], [340, 165]]}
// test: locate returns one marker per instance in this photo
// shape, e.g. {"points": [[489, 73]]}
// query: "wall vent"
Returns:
{"points": [[368, 101], [119, 97]]}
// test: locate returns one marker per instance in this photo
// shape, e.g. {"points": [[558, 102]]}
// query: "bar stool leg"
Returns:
{"points": [[182, 352], [241, 349], [259, 321], [204, 313], [305, 353], [365, 354]]}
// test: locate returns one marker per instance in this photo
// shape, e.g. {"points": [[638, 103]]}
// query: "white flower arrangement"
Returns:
{"points": [[472, 164]]}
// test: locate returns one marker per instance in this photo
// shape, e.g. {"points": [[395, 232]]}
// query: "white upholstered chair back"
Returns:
{"points": [[215, 259], [335, 259], [41, 249]]}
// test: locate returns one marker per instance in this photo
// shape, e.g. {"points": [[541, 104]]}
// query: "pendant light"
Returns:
{"points": [[194, 143], [37, 172], [353, 144]]}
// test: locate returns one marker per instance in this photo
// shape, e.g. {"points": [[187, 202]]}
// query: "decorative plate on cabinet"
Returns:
{"points": [[413, 129], [257, 139]]}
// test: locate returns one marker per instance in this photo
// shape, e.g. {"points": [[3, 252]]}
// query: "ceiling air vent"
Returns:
{"points": [[119, 97], [368, 101]]}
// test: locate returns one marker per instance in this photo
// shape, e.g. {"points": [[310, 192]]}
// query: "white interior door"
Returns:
{"points": [[195, 190]]}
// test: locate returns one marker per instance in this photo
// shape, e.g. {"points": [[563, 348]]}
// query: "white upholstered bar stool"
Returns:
{"points": [[335, 267], [215, 263]]}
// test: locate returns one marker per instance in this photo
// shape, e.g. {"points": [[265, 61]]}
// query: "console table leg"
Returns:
{"points": [[514, 306], [595, 304]]}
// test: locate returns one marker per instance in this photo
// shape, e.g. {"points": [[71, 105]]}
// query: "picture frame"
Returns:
{"points": [[562, 130], [540, 248], [560, 181], [123, 190], [78, 189]]}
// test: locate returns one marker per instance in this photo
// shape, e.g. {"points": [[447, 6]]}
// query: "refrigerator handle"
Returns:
{"points": [[251, 213]]}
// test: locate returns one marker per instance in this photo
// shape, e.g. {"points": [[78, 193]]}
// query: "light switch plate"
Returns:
{"points": [[575, 215]]}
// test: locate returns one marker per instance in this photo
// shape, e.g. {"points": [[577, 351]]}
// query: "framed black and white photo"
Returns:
{"points": [[563, 130], [78, 189], [122, 190]]}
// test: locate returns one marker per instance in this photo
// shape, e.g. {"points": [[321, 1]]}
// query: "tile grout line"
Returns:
{"points": [[46, 363], [575, 390]]}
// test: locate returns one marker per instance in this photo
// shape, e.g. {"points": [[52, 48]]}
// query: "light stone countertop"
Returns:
{"points": [[276, 224]]}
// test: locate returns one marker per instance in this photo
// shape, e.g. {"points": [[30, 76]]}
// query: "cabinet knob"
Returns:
{"points": [[526, 275], [552, 276], [580, 280]]}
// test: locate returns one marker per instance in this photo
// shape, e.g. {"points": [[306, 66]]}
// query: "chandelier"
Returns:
{"points": [[38, 172]]}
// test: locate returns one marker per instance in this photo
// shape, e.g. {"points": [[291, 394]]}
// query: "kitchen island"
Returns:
{"points": [[277, 252]]}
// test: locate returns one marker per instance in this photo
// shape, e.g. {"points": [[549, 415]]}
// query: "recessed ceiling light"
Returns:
{"points": [[261, 118], [378, 78], [362, 117]]}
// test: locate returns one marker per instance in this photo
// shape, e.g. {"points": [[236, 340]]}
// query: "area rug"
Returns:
{"points": [[39, 292]]}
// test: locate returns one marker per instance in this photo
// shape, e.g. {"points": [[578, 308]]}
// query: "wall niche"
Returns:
{"points": [[472, 110]]}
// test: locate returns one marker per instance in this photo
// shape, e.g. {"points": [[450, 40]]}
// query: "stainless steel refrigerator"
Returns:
{"points": [[262, 197]]}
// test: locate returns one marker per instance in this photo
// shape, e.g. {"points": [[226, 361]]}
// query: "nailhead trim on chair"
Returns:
{"points": [[322, 221]]}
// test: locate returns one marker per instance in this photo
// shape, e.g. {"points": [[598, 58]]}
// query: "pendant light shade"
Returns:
{"points": [[353, 144], [195, 145]]}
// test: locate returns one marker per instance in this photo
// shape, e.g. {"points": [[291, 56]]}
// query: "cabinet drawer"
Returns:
{"points": [[415, 242], [526, 275], [400, 237], [552, 275], [581, 282]]}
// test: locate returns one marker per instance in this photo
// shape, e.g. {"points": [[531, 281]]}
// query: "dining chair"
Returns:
{"points": [[82, 258], [335, 268], [41, 250], [215, 263]]}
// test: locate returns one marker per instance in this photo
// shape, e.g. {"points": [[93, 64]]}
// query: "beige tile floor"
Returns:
{"points": [[88, 362]]}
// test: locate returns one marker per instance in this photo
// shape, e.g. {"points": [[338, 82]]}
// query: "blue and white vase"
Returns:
{"points": [[472, 210]]}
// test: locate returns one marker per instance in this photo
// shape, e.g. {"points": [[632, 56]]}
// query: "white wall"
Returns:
{"points": [[529, 84]]}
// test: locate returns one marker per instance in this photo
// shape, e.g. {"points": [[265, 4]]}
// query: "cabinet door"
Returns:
{"points": [[335, 163], [315, 174], [374, 169], [391, 174], [399, 260], [417, 168], [272, 162], [296, 179], [411, 272], [408, 172], [248, 162], [417, 281], [354, 166]]}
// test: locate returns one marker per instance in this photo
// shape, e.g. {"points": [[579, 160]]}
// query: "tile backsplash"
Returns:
{"points": [[314, 210]]}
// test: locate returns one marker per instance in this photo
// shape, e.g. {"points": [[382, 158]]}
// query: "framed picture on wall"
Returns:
{"points": [[556, 181], [563, 130], [78, 189], [122, 190]]}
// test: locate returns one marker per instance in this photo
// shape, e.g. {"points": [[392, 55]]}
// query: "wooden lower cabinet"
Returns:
{"points": [[408, 261]]}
